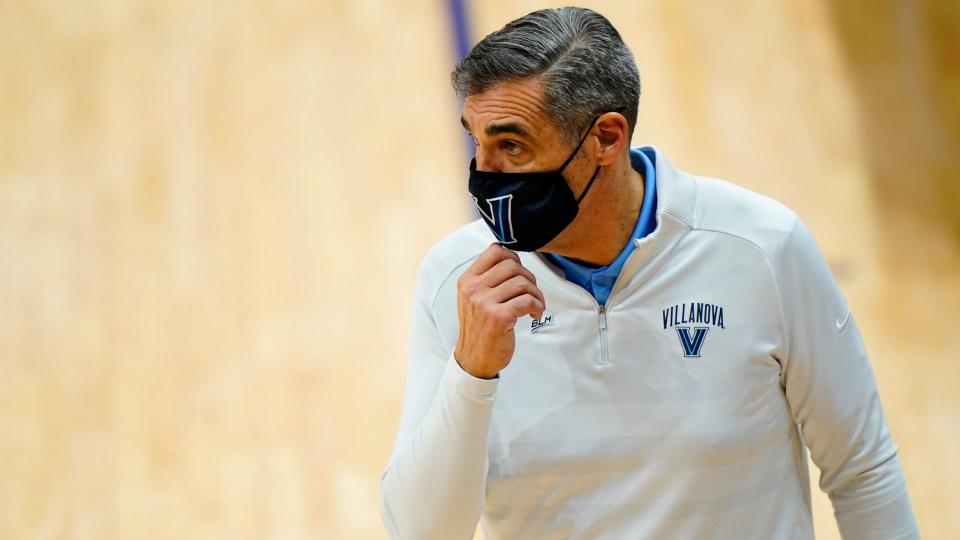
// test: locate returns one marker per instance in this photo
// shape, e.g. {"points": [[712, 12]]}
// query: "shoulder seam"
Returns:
{"points": [[694, 215], [689, 219], [436, 293], [776, 284]]}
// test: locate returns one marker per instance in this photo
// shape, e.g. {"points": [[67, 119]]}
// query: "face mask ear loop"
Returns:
{"points": [[579, 144], [590, 183]]}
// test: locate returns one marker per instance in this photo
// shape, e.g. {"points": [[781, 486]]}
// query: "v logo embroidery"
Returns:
{"points": [[692, 343]]}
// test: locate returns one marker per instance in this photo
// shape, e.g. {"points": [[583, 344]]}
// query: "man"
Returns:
{"points": [[618, 348]]}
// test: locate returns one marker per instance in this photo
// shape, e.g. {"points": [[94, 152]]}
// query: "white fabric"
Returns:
{"points": [[613, 433]]}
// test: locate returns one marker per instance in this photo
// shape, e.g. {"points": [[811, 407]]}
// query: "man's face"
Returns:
{"points": [[513, 132]]}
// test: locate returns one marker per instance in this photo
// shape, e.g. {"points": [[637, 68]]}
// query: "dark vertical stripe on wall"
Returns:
{"points": [[460, 26]]}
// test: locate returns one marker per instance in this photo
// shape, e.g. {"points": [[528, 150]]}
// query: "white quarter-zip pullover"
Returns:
{"points": [[681, 409]]}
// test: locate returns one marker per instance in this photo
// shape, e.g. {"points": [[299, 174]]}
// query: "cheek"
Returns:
{"points": [[578, 174]]}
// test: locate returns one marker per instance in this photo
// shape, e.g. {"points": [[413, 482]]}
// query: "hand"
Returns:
{"points": [[492, 294]]}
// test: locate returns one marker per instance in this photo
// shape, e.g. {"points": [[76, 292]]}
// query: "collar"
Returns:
{"points": [[676, 194], [599, 280]]}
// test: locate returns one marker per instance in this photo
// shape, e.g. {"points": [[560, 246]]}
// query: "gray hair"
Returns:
{"points": [[585, 66]]}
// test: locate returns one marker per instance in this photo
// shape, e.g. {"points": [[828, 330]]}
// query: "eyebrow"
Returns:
{"points": [[497, 129]]}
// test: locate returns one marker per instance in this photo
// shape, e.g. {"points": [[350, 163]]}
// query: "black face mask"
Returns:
{"points": [[525, 211]]}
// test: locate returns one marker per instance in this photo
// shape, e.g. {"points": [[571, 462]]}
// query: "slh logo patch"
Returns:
{"points": [[546, 320]]}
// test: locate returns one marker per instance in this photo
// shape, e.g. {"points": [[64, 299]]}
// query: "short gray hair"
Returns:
{"points": [[585, 66]]}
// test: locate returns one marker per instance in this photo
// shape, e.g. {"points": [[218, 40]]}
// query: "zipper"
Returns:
{"points": [[602, 323], [601, 309]]}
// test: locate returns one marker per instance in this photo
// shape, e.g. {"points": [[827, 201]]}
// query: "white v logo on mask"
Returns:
{"points": [[500, 217]]}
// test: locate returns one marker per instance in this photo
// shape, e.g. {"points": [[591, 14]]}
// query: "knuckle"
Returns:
{"points": [[523, 287], [517, 282], [472, 297], [490, 310], [495, 318], [479, 295]]}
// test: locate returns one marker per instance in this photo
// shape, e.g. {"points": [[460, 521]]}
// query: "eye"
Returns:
{"points": [[511, 147]]}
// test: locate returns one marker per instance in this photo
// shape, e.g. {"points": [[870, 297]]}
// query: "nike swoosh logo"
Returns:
{"points": [[842, 323]]}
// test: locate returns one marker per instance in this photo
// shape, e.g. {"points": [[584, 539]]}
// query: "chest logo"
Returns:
{"points": [[692, 342], [546, 320], [690, 321]]}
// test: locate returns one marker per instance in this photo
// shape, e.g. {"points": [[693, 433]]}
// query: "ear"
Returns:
{"points": [[612, 132]]}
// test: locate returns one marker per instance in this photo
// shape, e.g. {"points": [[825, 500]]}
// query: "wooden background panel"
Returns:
{"points": [[211, 217], [199, 205]]}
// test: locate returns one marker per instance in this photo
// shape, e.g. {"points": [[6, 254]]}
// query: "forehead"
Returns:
{"points": [[517, 102]]}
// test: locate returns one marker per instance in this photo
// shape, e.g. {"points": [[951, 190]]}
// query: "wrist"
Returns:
{"points": [[472, 371]]}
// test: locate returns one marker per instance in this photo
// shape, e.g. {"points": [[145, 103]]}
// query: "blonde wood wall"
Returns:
{"points": [[211, 215]]}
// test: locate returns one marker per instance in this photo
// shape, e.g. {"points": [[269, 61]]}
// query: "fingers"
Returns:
{"points": [[508, 279], [526, 304], [489, 257], [514, 287], [504, 270], [497, 277]]}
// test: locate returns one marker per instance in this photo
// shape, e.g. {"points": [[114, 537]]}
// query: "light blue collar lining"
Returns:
{"points": [[599, 281]]}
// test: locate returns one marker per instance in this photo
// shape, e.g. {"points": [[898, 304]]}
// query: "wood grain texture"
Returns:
{"points": [[211, 216]]}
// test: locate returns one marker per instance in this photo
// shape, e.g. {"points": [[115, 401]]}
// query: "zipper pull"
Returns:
{"points": [[603, 318]]}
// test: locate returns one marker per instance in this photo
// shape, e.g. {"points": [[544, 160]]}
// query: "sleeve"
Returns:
{"points": [[434, 483], [833, 397]]}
